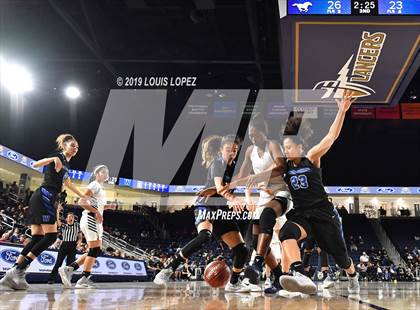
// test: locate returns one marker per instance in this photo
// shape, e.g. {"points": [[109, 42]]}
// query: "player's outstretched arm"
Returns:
{"points": [[319, 150]]}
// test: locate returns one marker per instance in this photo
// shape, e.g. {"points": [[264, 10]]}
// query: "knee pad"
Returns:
{"points": [[240, 255], [44, 243], [289, 231], [254, 242], [94, 252], [34, 240], [267, 221], [194, 245], [343, 261]]}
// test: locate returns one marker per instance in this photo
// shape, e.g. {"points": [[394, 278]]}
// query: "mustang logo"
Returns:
{"points": [[303, 7]]}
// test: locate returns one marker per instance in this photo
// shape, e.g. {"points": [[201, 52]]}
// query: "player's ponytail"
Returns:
{"points": [[63, 139], [209, 149]]}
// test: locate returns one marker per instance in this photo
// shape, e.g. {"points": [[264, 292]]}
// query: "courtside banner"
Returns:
{"points": [[410, 110], [44, 263], [362, 113], [388, 112], [369, 58]]}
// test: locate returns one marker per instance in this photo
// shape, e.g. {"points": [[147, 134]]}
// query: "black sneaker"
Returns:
{"points": [[274, 288]]}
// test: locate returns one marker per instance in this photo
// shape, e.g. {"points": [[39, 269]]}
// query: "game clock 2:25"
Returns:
{"points": [[366, 7]]}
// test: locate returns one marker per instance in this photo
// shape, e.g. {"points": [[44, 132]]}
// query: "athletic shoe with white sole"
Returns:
{"points": [[298, 283], [66, 274]]}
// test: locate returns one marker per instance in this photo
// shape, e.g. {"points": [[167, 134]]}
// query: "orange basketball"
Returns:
{"points": [[217, 273]]}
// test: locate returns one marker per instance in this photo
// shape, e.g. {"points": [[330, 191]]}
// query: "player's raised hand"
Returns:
{"points": [[345, 103]]}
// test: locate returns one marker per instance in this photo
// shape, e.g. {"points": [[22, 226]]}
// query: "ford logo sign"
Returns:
{"points": [[138, 266], [46, 259], [96, 265], [9, 255], [12, 155], [111, 264], [125, 265], [345, 190], [385, 190]]}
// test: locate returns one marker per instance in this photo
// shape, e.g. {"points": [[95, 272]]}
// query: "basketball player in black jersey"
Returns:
{"points": [[219, 156], [41, 215], [313, 214]]}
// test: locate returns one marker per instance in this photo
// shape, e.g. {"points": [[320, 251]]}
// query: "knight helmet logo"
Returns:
{"points": [[303, 7], [367, 57]]}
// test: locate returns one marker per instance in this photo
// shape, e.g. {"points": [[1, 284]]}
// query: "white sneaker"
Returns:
{"points": [[354, 286], [15, 279], [238, 287], [267, 283], [298, 283], [162, 278], [66, 274], [328, 283], [253, 287], [84, 282]]}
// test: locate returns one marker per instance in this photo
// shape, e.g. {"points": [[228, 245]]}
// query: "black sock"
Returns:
{"points": [[352, 275], [26, 262], [86, 274], [74, 265], [235, 277], [306, 258], [175, 262], [297, 266], [259, 262], [277, 272]]}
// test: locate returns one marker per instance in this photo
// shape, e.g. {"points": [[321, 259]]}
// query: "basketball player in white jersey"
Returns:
{"points": [[92, 228], [263, 156]]}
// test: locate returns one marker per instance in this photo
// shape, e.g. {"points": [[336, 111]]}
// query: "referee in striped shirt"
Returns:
{"points": [[70, 236]]}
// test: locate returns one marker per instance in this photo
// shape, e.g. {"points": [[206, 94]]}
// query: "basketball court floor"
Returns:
{"points": [[198, 295]]}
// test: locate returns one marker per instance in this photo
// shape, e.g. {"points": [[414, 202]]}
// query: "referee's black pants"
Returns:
{"points": [[67, 249]]}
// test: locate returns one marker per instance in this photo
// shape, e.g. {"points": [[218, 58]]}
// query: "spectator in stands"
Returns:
{"points": [[364, 258], [5, 236], [362, 269], [360, 240], [382, 211], [14, 188], [343, 211], [14, 238], [353, 247], [24, 239]]}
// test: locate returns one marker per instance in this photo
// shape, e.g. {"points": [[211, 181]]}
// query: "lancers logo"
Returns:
{"points": [[9, 255], [125, 265], [46, 259], [367, 57], [96, 265], [303, 7], [111, 264], [138, 266]]}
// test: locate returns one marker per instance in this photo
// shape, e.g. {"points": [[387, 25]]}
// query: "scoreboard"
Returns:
{"points": [[353, 7]]}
